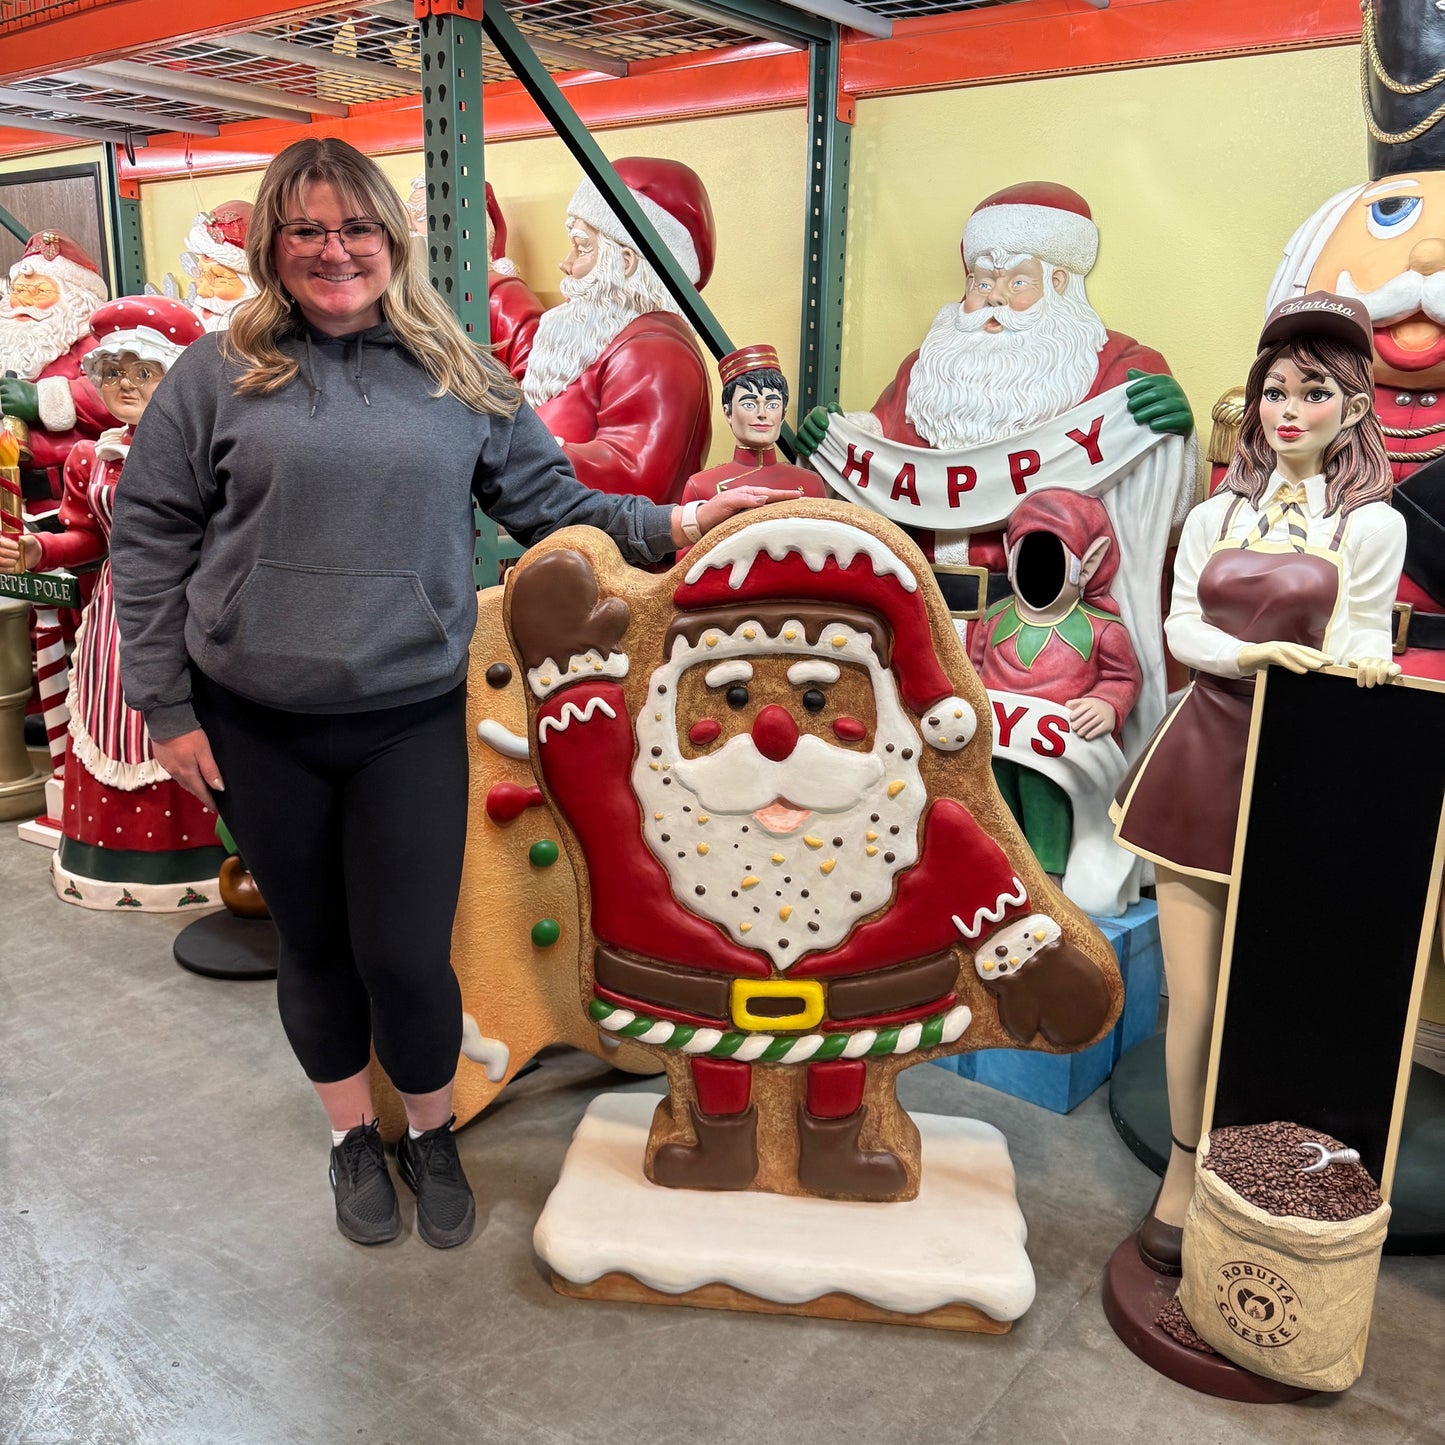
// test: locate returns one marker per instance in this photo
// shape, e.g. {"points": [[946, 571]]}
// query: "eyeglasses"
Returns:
{"points": [[358, 238], [141, 374]]}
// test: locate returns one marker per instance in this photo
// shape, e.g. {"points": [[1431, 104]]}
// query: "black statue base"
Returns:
{"points": [[220, 945]]}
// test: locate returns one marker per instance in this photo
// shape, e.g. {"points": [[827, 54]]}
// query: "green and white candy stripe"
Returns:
{"points": [[942, 1028]]}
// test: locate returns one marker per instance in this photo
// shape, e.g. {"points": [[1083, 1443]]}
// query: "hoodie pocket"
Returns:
{"points": [[311, 636]]}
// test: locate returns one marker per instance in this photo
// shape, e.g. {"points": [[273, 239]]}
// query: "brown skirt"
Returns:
{"points": [[1179, 804]]}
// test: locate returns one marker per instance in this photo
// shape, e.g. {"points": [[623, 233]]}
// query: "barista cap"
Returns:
{"points": [[1319, 313]]}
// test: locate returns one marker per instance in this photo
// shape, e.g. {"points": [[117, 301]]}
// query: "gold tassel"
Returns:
{"points": [[1227, 415]]}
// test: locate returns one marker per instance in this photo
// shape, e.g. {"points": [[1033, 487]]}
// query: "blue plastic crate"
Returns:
{"points": [[1061, 1081]]}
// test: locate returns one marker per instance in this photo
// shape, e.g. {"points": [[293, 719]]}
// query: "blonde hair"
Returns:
{"points": [[422, 321]]}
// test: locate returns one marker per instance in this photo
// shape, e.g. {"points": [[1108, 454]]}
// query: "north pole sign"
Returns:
{"points": [[46, 589], [1088, 449]]}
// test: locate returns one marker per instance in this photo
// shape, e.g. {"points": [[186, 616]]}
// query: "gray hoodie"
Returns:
{"points": [[312, 550]]}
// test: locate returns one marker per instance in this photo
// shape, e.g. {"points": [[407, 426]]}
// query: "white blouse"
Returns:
{"points": [[1371, 552]]}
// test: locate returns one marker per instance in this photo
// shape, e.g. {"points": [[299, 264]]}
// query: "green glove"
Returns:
{"points": [[20, 398], [1159, 403], [814, 427]]}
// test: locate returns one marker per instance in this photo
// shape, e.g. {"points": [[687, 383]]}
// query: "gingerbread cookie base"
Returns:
{"points": [[953, 1258]]}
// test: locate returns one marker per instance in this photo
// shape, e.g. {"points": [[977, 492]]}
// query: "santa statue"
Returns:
{"points": [[1062, 678], [1383, 243], [797, 877], [1018, 387], [755, 402], [44, 333], [215, 259], [615, 371], [44, 336]]}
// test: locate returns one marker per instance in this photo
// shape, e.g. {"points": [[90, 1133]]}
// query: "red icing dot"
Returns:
{"points": [[849, 730], [703, 732], [506, 801]]}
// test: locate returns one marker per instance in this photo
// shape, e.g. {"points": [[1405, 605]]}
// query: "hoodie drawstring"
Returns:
{"points": [[311, 374], [360, 383]]}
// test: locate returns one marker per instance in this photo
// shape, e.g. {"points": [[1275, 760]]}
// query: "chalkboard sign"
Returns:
{"points": [[1332, 909]]}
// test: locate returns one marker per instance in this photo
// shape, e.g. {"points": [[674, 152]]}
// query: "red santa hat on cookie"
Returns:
{"points": [[219, 235], [1037, 218], [54, 254], [672, 197], [820, 560], [153, 328]]}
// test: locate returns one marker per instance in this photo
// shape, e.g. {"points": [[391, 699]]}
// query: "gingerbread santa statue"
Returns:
{"points": [[798, 878]]}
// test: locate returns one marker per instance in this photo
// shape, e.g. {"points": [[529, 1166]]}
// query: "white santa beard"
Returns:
{"points": [[710, 853], [971, 386], [572, 336], [28, 347], [215, 311]]}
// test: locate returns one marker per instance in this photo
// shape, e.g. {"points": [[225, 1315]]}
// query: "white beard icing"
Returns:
{"points": [[723, 864], [28, 347], [572, 336], [971, 386]]}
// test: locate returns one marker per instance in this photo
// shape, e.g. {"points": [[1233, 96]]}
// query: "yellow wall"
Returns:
{"points": [[1197, 174]]}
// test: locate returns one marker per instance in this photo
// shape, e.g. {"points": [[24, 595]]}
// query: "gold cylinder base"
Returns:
{"points": [[22, 789]]}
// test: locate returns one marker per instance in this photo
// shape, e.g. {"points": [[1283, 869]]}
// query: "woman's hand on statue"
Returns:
{"points": [[188, 760], [1373, 671], [814, 427], [1091, 717], [741, 499], [1292, 655], [15, 548]]}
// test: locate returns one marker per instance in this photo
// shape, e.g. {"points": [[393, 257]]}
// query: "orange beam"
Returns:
{"points": [[1067, 37], [124, 27]]}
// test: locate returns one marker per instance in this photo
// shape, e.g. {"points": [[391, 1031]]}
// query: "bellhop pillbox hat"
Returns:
{"points": [[1320, 313]]}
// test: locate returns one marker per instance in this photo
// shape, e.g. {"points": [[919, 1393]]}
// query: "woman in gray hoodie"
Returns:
{"points": [[292, 556]]}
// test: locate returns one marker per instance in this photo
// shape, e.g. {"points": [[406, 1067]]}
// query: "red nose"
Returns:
{"points": [[775, 734]]}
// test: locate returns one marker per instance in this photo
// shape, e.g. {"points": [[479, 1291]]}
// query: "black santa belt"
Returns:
{"points": [[1420, 500], [39, 483], [961, 586], [723, 997]]}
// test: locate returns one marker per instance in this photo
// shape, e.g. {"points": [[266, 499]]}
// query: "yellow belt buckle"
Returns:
{"points": [[955, 569], [806, 993], [1403, 613]]}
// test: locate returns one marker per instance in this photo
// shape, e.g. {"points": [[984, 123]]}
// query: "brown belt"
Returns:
{"points": [[709, 995]]}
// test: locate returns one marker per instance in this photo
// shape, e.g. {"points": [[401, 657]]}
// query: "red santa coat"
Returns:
{"points": [[639, 418], [1118, 356], [50, 448], [586, 766], [513, 312]]}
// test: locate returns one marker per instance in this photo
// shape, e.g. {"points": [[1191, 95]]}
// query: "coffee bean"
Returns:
{"points": [[1262, 1162]]}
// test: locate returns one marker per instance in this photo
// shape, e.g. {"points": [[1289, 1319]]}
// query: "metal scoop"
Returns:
{"points": [[1325, 1157]]}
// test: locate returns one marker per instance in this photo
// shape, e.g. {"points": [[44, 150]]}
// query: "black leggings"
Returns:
{"points": [[354, 825]]}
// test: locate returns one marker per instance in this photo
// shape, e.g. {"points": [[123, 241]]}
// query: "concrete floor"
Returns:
{"points": [[170, 1269]]}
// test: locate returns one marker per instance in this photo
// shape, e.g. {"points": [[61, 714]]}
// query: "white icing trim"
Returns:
{"points": [[992, 915], [814, 539], [729, 672], [1022, 940], [547, 677], [570, 710], [815, 670], [54, 403], [502, 740], [492, 1054]]}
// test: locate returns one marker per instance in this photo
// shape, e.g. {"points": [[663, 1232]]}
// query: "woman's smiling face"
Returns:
{"points": [[337, 292]]}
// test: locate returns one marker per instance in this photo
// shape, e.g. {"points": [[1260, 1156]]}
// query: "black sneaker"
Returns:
{"points": [[429, 1167], [366, 1208]]}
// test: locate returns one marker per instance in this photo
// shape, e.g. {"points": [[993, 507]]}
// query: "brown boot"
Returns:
{"points": [[724, 1157], [831, 1164]]}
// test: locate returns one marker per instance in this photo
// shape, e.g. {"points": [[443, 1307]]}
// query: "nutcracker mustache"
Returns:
{"points": [[816, 778], [1400, 296]]}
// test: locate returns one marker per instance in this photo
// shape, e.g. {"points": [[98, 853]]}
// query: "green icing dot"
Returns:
{"points": [[545, 932], [542, 853]]}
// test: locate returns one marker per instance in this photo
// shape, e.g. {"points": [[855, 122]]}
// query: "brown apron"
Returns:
{"points": [[1179, 803]]}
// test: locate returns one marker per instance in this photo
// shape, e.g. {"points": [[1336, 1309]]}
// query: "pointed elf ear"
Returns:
{"points": [[1089, 562]]}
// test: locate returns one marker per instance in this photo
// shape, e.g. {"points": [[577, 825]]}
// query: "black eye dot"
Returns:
{"points": [[737, 695], [814, 700]]}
